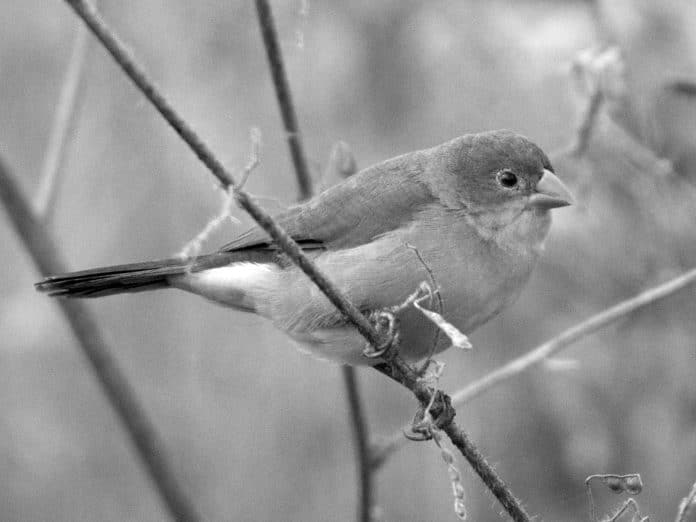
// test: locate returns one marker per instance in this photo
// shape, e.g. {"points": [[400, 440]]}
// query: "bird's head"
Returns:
{"points": [[497, 177], [484, 171]]}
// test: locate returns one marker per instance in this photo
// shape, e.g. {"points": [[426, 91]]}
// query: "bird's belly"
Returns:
{"points": [[339, 344]]}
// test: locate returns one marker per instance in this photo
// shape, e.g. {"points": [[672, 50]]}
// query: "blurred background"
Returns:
{"points": [[258, 431]]}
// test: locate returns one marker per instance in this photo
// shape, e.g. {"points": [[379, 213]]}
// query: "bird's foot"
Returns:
{"points": [[437, 414], [386, 324]]}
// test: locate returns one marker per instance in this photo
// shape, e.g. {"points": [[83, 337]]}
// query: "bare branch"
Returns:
{"points": [[64, 122], [361, 436], [282, 90], [484, 470], [397, 369], [122, 397]]}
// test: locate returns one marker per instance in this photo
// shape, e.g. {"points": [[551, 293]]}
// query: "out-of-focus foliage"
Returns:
{"points": [[258, 431]]}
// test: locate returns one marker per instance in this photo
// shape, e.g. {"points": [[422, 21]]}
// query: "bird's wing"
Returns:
{"points": [[369, 204]]}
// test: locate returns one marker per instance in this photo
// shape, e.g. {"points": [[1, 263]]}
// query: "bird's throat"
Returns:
{"points": [[513, 229]]}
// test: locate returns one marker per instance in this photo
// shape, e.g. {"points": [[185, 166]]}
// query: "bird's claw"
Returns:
{"points": [[438, 414], [385, 324]]}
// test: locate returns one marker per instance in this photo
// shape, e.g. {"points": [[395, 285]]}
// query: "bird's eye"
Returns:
{"points": [[507, 179]]}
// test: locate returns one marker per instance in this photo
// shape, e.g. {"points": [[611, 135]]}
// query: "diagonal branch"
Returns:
{"points": [[423, 393], [283, 93], [118, 391]]}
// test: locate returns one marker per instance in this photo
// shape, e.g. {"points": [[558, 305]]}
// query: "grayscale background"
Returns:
{"points": [[258, 431]]}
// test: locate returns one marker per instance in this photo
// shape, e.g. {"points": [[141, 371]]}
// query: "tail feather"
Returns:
{"points": [[134, 277]]}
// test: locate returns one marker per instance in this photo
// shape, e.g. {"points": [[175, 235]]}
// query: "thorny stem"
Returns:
{"points": [[123, 399], [279, 236]]}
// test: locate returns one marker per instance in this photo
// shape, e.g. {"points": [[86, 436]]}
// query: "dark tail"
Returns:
{"points": [[135, 277]]}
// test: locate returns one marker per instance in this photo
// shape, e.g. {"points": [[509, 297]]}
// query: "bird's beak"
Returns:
{"points": [[550, 193]]}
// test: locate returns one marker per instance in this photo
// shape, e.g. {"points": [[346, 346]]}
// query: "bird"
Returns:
{"points": [[469, 216]]}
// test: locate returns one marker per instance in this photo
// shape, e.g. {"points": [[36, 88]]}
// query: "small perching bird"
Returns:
{"points": [[476, 210]]}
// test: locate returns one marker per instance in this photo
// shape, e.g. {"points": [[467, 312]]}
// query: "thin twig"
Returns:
{"points": [[358, 424], [136, 73], [64, 123], [118, 391], [287, 108], [686, 504], [282, 90], [548, 349]]}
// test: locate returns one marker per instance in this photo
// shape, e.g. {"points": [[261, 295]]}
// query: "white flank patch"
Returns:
{"points": [[240, 285]]}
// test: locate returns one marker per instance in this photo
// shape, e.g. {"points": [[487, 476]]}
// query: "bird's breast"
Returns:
{"points": [[477, 275]]}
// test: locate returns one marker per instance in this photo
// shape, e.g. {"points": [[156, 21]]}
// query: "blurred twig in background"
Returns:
{"points": [[118, 391], [397, 369], [361, 435], [357, 420], [587, 122], [283, 93], [572, 335], [63, 127]]}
